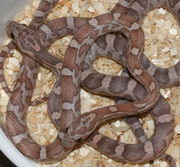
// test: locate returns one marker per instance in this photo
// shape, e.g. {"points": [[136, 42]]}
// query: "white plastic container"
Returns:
{"points": [[8, 10]]}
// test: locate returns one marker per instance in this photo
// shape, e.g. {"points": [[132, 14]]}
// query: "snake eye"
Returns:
{"points": [[79, 140], [12, 35], [66, 129]]}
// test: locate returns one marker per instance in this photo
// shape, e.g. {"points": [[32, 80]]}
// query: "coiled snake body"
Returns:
{"points": [[119, 151]]}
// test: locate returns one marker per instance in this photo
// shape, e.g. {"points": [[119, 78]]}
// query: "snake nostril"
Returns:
{"points": [[12, 35]]}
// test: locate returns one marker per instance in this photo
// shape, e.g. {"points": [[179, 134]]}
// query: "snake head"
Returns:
{"points": [[26, 39], [81, 128], [70, 139]]}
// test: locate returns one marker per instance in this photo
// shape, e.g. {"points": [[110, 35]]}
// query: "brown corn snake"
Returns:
{"points": [[42, 11], [38, 59], [99, 136]]}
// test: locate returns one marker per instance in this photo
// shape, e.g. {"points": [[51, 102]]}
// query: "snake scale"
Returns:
{"points": [[119, 151]]}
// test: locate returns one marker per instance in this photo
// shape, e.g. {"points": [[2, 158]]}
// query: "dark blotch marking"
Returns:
{"points": [[162, 107], [158, 144], [145, 62], [31, 41], [131, 120], [139, 132], [93, 81], [139, 92], [102, 42], [118, 84], [173, 3], [177, 69], [169, 159], [107, 145], [133, 13], [161, 76], [142, 3], [131, 149], [45, 6]]}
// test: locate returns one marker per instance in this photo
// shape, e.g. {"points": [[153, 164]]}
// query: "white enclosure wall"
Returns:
{"points": [[8, 10]]}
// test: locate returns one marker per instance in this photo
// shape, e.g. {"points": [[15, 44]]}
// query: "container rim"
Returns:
{"points": [[13, 154], [8, 11]]}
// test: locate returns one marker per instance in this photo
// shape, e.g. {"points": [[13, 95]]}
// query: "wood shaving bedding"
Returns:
{"points": [[162, 40]]}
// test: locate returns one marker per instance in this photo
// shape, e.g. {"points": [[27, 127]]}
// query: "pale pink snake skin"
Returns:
{"points": [[117, 150]]}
